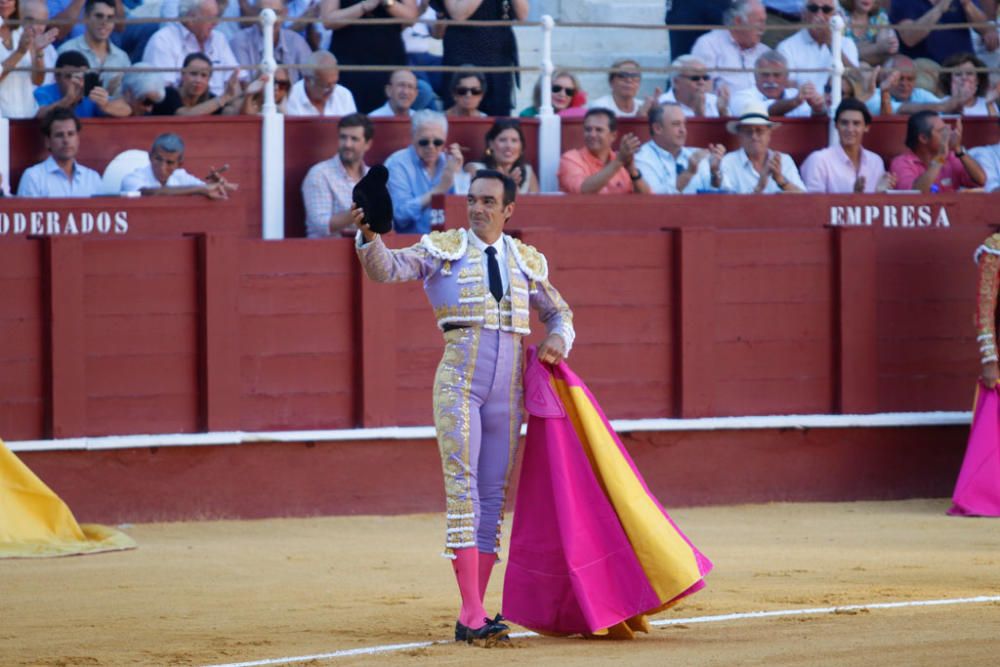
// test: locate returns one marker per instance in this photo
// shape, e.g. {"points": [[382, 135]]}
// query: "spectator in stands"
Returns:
{"points": [[755, 168], [367, 44], [596, 168], [968, 84], [847, 166], [317, 93], [692, 12], [142, 90], [505, 153], [868, 27], [988, 158], [773, 91], [78, 90], [165, 175], [193, 97], [290, 48], [253, 96], [174, 42], [689, 86], [467, 90], [484, 46], [667, 165], [936, 160], [809, 48], [95, 43], [27, 46], [422, 170], [938, 45], [898, 94], [625, 79], [568, 97], [737, 48], [60, 175], [328, 187], [70, 11], [400, 93], [422, 49]]}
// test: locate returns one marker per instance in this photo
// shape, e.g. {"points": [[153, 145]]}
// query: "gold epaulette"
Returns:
{"points": [[449, 245], [530, 260]]}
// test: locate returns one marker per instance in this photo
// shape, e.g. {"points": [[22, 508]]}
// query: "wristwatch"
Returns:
{"points": [[638, 175], [960, 152]]}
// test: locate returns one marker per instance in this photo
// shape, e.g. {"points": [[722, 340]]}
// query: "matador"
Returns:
{"points": [[480, 283]]}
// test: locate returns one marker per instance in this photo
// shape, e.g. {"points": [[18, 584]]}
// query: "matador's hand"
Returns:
{"points": [[552, 350], [991, 373]]}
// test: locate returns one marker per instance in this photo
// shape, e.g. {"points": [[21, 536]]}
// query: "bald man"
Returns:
{"points": [[318, 93]]}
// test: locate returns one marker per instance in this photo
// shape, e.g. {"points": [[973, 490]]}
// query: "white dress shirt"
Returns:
{"points": [[47, 179], [988, 158], [801, 50], [17, 92], [143, 177], [173, 42], [744, 97], [501, 259], [339, 103], [718, 49], [385, 111], [608, 102], [660, 169], [711, 104], [741, 177]]}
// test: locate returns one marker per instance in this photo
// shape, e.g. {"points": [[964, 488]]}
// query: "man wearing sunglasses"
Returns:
{"points": [[422, 170], [625, 79], [290, 48], [690, 84], [95, 43], [809, 48]]}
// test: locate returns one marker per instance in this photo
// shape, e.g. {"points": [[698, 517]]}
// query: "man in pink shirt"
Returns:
{"points": [[847, 166], [936, 161], [596, 168]]}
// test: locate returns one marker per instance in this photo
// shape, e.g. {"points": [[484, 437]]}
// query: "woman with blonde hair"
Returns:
{"points": [[567, 96]]}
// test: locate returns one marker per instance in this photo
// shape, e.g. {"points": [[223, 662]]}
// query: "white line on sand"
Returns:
{"points": [[389, 648]]}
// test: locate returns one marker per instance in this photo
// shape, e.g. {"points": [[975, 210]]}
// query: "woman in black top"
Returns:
{"points": [[357, 44], [484, 46]]}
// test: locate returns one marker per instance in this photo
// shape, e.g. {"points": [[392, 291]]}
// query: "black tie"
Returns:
{"points": [[493, 266]]}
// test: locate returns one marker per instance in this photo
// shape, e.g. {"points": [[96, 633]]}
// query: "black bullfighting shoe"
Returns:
{"points": [[486, 636]]}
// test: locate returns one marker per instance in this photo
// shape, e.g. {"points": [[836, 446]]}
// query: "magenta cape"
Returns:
{"points": [[591, 548], [977, 492]]}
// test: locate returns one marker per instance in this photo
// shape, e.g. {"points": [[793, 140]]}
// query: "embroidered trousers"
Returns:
{"points": [[477, 415]]}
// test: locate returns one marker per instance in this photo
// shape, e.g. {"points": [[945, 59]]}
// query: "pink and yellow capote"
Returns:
{"points": [[592, 551]]}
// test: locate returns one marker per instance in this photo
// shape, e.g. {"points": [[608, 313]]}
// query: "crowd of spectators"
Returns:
{"points": [[198, 66]]}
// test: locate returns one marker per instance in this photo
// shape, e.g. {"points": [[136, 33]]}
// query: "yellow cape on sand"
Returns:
{"points": [[36, 523]]}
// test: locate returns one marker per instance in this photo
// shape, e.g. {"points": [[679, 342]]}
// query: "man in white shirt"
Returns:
{"points": [[173, 42], [689, 86], [809, 48], [95, 43], [754, 168], [401, 93], [318, 93], [60, 175], [772, 90], [667, 165], [164, 174], [988, 158], [738, 48]]}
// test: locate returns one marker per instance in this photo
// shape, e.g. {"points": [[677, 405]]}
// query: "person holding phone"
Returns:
{"points": [[77, 89]]}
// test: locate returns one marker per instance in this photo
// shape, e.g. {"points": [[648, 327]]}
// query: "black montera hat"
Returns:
{"points": [[372, 195]]}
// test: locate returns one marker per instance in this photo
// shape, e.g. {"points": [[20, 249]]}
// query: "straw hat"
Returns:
{"points": [[753, 113]]}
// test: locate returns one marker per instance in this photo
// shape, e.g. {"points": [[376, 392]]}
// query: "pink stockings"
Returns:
{"points": [[472, 572]]}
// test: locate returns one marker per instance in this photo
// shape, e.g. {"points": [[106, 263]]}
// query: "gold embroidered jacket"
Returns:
{"points": [[988, 258], [452, 271]]}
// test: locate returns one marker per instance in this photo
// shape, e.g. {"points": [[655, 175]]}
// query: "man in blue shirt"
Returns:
{"points": [[924, 15], [422, 170], [69, 91], [60, 175]]}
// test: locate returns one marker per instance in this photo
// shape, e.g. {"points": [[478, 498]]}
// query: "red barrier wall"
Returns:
{"points": [[679, 313]]}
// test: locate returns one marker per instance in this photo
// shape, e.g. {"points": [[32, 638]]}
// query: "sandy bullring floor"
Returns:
{"points": [[223, 592]]}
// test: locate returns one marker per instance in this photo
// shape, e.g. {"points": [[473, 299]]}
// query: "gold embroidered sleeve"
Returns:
{"points": [[986, 305], [394, 266], [553, 311]]}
